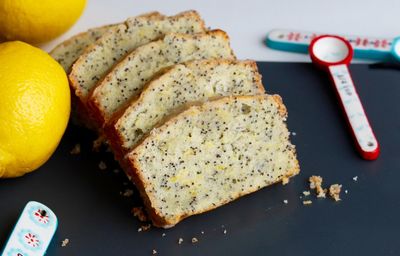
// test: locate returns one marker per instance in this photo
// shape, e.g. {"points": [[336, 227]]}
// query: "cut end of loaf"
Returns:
{"points": [[212, 154]]}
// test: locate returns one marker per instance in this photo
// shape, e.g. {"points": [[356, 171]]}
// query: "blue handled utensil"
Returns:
{"points": [[381, 49], [33, 231]]}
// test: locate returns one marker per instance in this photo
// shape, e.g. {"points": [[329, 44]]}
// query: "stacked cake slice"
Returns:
{"points": [[190, 124]]}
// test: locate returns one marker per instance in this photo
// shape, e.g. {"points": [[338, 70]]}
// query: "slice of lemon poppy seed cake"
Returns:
{"points": [[211, 154]]}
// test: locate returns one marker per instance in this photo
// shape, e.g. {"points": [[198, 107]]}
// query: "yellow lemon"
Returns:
{"points": [[37, 21], [34, 107]]}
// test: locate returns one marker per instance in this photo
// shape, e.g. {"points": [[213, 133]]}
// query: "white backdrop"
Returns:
{"points": [[248, 21]]}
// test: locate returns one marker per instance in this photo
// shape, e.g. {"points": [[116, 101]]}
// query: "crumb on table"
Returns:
{"points": [[144, 228], [355, 178], [128, 193], [194, 240], [285, 180], [316, 183], [180, 240], [334, 191], [306, 193], [76, 150], [307, 202], [285, 201], [64, 242], [97, 143], [154, 251], [102, 166], [139, 213]]}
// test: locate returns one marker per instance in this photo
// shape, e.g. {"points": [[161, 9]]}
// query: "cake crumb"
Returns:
{"points": [[154, 252], [307, 202], [285, 201], [334, 191], [139, 213], [64, 242], [294, 133], [144, 228], [97, 143], [346, 191], [355, 178], [76, 150], [102, 166], [224, 231], [163, 234], [306, 193], [194, 240], [285, 180], [128, 193], [202, 232], [316, 183], [322, 193], [180, 240]]}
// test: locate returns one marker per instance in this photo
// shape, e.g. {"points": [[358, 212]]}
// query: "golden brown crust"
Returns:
{"points": [[132, 163], [281, 108], [258, 79]]}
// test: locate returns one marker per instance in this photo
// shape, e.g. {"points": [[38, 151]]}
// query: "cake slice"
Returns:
{"points": [[210, 155], [184, 83], [68, 51], [94, 63], [127, 79]]}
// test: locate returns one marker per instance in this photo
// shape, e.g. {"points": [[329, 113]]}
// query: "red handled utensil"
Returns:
{"points": [[333, 54]]}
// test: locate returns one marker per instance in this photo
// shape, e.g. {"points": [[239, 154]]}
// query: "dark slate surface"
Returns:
{"points": [[97, 220]]}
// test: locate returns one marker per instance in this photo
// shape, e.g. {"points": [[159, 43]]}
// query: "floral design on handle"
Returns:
{"points": [[40, 216], [30, 240]]}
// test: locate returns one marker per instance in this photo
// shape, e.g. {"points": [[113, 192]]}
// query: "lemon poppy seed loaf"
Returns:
{"points": [[127, 79], [94, 63], [210, 155], [180, 85]]}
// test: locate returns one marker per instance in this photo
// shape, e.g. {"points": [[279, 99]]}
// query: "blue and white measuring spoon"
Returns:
{"points": [[381, 49], [33, 231]]}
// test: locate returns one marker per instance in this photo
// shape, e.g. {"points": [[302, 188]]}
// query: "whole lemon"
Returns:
{"points": [[37, 21], [34, 107]]}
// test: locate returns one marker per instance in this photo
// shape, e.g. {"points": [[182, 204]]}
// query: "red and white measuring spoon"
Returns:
{"points": [[333, 54]]}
